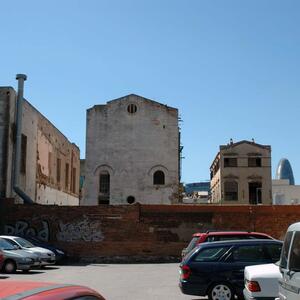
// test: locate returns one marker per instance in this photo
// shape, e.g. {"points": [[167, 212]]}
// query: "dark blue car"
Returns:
{"points": [[216, 269], [59, 253]]}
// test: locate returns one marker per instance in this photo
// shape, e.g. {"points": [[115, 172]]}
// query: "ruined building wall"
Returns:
{"points": [[49, 172], [131, 146]]}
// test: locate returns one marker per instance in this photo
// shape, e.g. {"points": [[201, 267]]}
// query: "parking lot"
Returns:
{"points": [[116, 281]]}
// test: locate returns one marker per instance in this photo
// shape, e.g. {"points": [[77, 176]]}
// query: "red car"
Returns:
{"points": [[29, 290], [214, 236]]}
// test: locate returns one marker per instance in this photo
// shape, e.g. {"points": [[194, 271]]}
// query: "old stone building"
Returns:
{"points": [[49, 163], [132, 153], [241, 174]]}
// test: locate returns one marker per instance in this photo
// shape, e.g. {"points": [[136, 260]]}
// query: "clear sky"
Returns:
{"points": [[232, 68]]}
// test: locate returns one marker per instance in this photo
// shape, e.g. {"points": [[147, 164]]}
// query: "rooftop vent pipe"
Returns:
{"points": [[27, 200]]}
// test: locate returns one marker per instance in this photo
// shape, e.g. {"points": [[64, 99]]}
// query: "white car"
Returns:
{"points": [[46, 256], [261, 282]]}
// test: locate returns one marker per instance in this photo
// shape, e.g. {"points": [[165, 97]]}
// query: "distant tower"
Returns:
{"points": [[284, 171]]}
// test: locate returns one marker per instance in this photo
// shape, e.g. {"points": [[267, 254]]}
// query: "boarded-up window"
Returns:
{"points": [[230, 162], [231, 190], [73, 183], [23, 154], [67, 176], [58, 169], [254, 162]]}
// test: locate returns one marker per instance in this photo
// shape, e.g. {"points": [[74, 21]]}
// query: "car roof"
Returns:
{"points": [[15, 290], [8, 236], [229, 233], [239, 242], [294, 227]]}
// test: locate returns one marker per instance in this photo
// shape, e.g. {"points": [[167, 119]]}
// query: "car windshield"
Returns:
{"points": [[5, 245], [24, 243]]}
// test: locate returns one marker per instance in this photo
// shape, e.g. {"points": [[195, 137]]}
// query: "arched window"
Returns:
{"points": [[159, 177], [231, 190], [104, 187]]}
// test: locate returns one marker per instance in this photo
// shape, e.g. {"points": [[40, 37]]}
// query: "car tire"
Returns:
{"points": [[9, 266], [221, 290]]}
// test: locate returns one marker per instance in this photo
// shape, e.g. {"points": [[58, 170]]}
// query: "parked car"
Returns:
{"points": [[261, 282], [59, 253], [215, 236], [216, 269], [46, 256], [15, 258], [1, 258], [47, 291], [289, 266]]}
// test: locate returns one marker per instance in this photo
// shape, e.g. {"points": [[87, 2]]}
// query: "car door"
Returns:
{"points": [[289, 285], [242, 256]]}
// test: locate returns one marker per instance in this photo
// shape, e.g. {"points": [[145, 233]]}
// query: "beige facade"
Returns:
{"points": [[284, 193], [241, 174], [132, 153], [50, 163]]}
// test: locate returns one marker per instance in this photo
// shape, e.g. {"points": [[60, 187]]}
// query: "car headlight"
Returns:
{"points": [[60, 252]]}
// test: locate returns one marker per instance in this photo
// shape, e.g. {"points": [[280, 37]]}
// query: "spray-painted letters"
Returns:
{"points": [[23, 228], [82, 230]]}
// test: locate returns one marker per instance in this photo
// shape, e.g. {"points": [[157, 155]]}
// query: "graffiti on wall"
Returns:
{"points": [[23, 228], [81, 230]]}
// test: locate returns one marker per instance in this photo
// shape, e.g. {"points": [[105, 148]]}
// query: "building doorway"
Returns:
{"points": [[255, 193]]}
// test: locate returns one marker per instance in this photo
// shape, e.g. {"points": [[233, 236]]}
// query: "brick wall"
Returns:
{"points": [[139, 231]]}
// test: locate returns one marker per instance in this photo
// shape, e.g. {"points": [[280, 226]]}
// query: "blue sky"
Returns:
{"points": [[232, 68]]}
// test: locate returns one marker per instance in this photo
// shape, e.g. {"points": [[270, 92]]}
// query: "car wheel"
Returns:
{"points": [[9, 266], [221, 291]]}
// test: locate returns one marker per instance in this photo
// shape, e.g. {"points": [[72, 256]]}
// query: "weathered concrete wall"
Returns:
{"points": [[131, 147], [48, 152], [140, 230]]}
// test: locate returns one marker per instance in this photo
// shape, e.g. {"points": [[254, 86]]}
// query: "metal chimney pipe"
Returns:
{"points": [[21, 78]]}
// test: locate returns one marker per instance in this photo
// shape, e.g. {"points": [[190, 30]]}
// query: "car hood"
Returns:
{"points": [[259, 271], [19, 253], [40, 251]]}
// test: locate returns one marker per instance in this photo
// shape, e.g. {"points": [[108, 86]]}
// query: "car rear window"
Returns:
{"points": [[210, 254], [192, 244]]}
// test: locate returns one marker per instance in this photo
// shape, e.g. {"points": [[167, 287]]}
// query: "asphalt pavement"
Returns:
{"points": [[116, 281]]}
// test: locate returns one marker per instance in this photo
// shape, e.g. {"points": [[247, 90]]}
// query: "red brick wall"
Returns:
{"points": [[139, 230]]}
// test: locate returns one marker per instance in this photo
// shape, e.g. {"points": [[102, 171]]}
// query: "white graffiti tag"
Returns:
{"points": [[82, 230]]}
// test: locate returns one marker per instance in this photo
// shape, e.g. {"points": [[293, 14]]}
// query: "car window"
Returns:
{"points": [[294, 264], [210, 254], [192, 244], [24, 243], [250, 253], [274, 251], [5, 245], [285, 249]]}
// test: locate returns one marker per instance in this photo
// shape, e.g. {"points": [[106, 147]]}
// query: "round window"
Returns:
{"points": [[131, 108], [130, 199]]}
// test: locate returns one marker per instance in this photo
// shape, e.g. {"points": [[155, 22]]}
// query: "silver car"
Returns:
{"points": [[17, 259]]}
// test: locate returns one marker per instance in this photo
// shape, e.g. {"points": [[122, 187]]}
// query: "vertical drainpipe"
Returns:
{"points": [[17, 159]]}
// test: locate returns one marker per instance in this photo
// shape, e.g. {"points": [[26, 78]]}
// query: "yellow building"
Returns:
{"points": [[241, 174]]}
